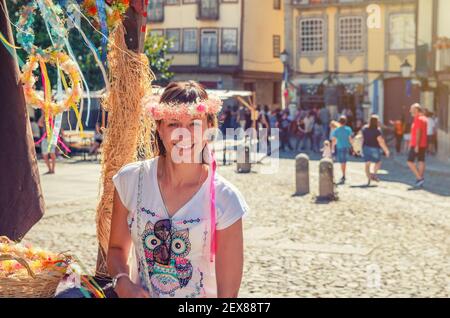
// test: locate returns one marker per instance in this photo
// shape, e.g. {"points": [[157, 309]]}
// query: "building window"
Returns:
{"points": [[156, 32], [190, 40], [312, 35], [189, 1], [277, 4], [402, 31], [155, 11], [174, 36], [276, 46], [229, 40], [351, 34], [172, 2], [208, 9]]}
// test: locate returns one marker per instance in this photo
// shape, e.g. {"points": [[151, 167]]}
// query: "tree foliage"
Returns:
{"points": [[156, 48]]}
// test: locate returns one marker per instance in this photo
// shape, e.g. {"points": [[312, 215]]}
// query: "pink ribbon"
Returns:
{"points": [[59, 141], [42, 138], [63, 145], [213, 208]]}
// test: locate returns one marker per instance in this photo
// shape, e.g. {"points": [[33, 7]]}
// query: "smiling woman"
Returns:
{"points": [[183, 116], [178, 220]]}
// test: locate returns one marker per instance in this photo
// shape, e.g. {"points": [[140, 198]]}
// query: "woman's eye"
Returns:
{"points": [[173, 125]]}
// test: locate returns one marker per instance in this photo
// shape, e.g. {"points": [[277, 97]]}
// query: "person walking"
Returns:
{"points": [[317, 135], [326, 150], [241, 117], [325, 118], [418, 144], [36, 133], [333, 125], [431, 128], [283, 126], [399, 131], [234, 111], [341, 144], [98, 139], [298, 130], [226, 121], [309, 125], [373, 142], [48, 152], [267, 129]]}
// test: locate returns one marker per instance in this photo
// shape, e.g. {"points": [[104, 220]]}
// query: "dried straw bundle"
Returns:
{"points": [[128, 135]]}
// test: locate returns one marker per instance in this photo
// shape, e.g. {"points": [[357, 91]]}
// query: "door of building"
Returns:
{"points": [[208, 50], [399, 95]]}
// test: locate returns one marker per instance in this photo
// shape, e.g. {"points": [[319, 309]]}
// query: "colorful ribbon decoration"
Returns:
{"points": [[50, 13], [90, 283], [10, 48], [102, 16], [70, 12]]}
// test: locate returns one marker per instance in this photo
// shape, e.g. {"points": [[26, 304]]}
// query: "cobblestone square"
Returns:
{"points": [[380, 241]]}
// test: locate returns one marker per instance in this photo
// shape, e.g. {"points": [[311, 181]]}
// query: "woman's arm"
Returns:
{"points": [[118, 251], [229, 260], [383, 146]]}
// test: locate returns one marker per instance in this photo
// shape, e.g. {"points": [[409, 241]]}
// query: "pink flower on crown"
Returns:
{"points": [[201, 108]]}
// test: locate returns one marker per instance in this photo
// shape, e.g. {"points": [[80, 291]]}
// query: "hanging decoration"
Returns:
{"points": [[114, 9], [35, 99], [54, 55]]}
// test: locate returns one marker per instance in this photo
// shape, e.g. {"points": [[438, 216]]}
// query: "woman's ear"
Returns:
{"points": [[159, 126]]}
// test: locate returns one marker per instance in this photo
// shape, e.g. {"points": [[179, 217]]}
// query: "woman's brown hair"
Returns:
{"points": [[373, 123], [183, 92]]}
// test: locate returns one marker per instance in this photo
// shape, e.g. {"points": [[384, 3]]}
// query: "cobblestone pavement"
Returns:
{"points": [[381, 241]]}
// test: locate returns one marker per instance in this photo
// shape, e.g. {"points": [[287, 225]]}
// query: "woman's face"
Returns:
{"points": [[184, 137]]}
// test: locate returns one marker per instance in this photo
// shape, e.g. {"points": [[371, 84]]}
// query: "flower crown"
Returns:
{"points": [[159, 110]]}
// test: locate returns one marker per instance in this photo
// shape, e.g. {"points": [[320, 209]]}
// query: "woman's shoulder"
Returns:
{"points": [[231, 205], [132, 169], [226, 191]]}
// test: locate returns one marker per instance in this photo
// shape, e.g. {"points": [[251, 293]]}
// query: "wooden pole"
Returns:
{"points": [[21, 200]]}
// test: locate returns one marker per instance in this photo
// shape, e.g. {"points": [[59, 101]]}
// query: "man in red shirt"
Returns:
{"points": [[418, 144]]}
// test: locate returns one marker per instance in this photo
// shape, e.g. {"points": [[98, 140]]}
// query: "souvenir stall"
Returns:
{"points": [[27, 271]]}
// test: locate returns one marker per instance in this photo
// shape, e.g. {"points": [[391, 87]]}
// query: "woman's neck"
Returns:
{"points": [[179, 174]]}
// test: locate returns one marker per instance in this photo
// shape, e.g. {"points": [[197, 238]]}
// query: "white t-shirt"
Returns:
{"points": [[171, 256]]}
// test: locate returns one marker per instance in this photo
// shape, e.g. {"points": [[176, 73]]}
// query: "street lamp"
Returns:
{"points": [[284, 57], [406, 69]]}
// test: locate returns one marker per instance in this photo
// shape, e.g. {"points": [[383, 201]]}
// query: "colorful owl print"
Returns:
{"points": [[165, 251]]}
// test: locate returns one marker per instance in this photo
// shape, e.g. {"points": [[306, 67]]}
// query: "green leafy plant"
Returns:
{"points": [[156, 48]]}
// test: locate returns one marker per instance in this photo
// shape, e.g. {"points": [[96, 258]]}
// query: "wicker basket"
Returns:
{"points": [[30, 285]]}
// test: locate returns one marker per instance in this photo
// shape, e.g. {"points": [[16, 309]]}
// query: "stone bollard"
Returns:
{"points": [[243, 164], [301, 174], [326, 179]]}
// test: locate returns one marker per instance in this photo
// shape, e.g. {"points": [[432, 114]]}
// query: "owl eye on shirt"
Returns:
{"points": [[151, 241], [180, 244]]}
